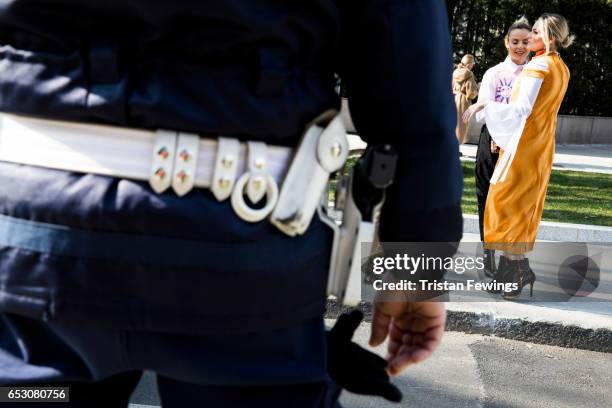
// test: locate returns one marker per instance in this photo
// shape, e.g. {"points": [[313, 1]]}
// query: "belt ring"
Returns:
{"points": [[247, 213]]}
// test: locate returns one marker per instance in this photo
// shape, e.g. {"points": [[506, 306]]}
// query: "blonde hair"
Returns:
{"points": [[555, 29], [467, 60]]}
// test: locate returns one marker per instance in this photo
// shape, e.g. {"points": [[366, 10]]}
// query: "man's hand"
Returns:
{"points": [[414, 329]]}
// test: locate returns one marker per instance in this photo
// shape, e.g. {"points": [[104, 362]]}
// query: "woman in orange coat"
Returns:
{"points": [[525, 129]]}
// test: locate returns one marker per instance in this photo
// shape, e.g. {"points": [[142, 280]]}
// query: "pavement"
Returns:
{"points": [[576, 314], [551, 317], [478, 371], [588, 158]]}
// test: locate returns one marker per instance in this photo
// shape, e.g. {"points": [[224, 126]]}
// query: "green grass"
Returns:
{"points": [[350, 162], [573, 196]]}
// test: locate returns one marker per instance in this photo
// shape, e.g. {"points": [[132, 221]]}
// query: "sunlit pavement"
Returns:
{"points": [[481, 371]]}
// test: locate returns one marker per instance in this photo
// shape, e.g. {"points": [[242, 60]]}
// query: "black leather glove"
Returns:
{"points": [[355, 368]]}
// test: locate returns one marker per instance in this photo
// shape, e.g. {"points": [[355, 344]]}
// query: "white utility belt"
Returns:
{"points": [[182, 161]]}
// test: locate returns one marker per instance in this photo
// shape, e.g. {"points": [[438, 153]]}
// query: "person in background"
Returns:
{"points": [[496, 86], [525, 130], [465, 90]]}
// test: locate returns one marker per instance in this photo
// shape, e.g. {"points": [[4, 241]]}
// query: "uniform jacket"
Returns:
{"points": [[83, 247]]}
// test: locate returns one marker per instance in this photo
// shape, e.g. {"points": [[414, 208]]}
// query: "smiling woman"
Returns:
{"points": [[497, 86], [517, 40]]}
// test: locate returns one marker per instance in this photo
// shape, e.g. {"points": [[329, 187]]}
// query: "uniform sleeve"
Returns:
{"points": [[399, 93]]}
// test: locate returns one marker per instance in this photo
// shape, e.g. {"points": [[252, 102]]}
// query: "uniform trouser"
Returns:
{"points": [[115, 391], [485, 165], [102, 277], [102, 367]]}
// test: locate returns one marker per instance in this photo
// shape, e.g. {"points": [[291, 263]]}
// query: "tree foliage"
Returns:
{"points": [[478, 27]]}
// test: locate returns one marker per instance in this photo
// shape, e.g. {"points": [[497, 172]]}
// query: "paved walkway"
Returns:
{"points": [[480, 371], [476, 371], [589, 158]]}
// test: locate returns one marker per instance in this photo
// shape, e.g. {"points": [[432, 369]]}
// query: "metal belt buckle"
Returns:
{"points": [[322, 151], [259, 184]]}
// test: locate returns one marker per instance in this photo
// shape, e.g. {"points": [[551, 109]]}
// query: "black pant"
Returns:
{"points": [[114, 392], [102, 366], [485, 165]]}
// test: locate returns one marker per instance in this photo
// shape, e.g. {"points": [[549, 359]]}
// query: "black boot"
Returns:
{"points": [[489, 263], [500, 273], [521, 274]]}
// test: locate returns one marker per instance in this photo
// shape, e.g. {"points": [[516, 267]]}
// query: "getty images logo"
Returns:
{"points": [[579, 276]]}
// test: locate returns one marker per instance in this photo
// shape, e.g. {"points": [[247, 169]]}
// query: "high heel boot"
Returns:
{"points": [[520, 273], [489, 263], [500, 273]]}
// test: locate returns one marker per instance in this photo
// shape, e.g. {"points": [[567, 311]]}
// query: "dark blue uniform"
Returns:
{"points": [[110, 255]]}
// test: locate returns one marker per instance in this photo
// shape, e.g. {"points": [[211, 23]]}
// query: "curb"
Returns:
{"points": [[514, 328], [540, 332], [555, 231]]}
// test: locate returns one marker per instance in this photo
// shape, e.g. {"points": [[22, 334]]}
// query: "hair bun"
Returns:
{"points": [[522, 20], [567, 41]]}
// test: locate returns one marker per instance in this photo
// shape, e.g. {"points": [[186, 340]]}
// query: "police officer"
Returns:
{"points": [[102, 277]]}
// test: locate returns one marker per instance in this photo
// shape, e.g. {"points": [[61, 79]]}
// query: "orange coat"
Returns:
{"points": [[514, 206]]}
